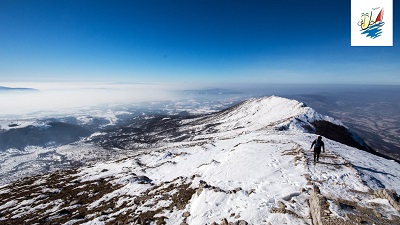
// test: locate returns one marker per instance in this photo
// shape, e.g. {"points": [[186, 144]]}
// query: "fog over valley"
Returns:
{"points": [[60, 97]]}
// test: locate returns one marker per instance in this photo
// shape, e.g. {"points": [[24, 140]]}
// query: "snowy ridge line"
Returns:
{"points": [[260, 113]]}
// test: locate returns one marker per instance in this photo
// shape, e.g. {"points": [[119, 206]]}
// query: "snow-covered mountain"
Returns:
{"points": [[42, 142], [248, 164]]}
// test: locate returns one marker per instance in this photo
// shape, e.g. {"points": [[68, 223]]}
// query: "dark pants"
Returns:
{"points": [[317, 151]]}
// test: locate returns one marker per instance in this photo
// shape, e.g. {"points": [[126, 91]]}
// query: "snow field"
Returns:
{"points": [[241, 166], [249, 176]]}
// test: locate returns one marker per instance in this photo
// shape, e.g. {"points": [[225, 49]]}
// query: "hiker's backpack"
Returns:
{"points": [[318, 144]]}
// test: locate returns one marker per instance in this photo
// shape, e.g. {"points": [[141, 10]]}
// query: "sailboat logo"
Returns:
{"points": [[371, 24]]}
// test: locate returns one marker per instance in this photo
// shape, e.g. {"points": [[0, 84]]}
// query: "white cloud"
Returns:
{"points": [[61, 96]]}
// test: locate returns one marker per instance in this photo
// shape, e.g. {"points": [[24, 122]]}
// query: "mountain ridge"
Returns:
{"points": [[229, 168], [240, 118]]}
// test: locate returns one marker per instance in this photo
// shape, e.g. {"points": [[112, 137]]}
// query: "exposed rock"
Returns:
{"points": [[281, 205], [224, 222], [240, 222]]}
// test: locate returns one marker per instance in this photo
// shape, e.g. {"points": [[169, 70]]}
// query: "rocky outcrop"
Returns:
{"points": [[319, 207], [391, 196]]}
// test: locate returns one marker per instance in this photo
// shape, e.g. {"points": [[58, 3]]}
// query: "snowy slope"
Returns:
{"points": [[250, 164], [263, 113]]}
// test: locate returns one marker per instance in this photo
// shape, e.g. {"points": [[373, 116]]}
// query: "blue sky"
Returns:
{"points": [[286, 41]]}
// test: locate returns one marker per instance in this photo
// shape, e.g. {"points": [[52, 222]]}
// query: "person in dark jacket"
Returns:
{"points": [[318, 144]]}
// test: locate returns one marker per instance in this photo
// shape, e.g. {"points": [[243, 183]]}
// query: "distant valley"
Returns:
{"points": [[374, 116]]}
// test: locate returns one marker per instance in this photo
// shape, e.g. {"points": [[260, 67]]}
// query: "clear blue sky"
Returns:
{"points": [[282, 41]]}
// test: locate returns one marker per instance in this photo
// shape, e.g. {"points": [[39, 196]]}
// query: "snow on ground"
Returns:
{"points": [[15, 164], [243, 169], [252, 173], [249, 175], [9, 159], [110, 115]]}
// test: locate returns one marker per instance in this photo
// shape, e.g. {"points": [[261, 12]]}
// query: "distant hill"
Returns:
{"points": [[3, 88], [212, 91], [55, 133]]}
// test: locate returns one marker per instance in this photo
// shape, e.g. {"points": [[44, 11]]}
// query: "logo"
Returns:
{"points": [[372, 28], [372, 23]]}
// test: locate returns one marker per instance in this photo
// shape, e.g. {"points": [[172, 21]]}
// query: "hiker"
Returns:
{"points": [[318, 143]]}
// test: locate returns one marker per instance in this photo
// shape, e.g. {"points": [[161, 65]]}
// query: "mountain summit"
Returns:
{"points": [[248, 164], [264, 114]]}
